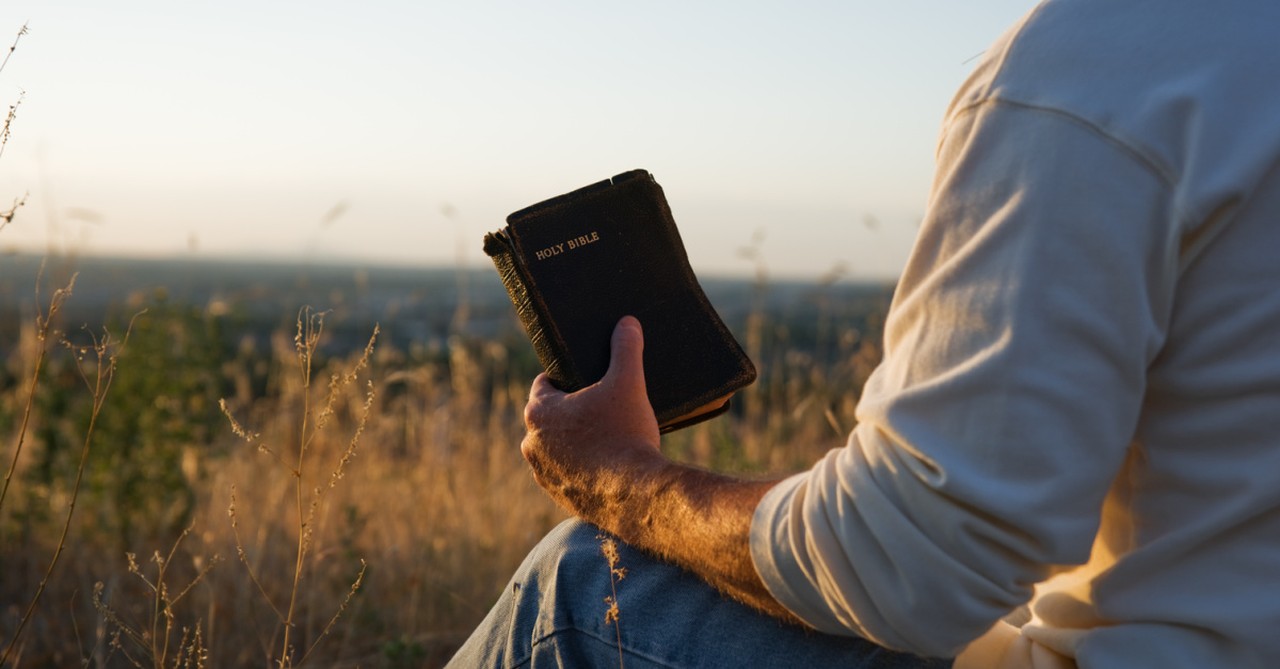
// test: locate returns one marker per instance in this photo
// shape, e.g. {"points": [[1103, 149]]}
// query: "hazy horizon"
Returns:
{"points": [[401, 132]]}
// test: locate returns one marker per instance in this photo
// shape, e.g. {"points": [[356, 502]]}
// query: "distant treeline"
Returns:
{"points": [[418, 308]]}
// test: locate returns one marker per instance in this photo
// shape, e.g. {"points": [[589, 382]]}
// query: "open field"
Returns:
{"points": [[395, 467]]}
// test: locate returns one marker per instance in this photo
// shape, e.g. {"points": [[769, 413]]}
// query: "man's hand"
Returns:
{"points": [[596, 453], [589, 446]]}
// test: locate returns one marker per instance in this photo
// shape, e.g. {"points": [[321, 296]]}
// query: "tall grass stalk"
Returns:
{"points": [[42, 325], [55, 303], [13, 112], [310, 328], [613, 613], [189, 652], [105, 352]]}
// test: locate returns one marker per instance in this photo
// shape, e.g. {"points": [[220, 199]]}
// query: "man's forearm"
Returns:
{"points": [[700, 521]]}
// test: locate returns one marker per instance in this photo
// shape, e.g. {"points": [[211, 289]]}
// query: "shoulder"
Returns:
{"points": [[1093, 54], [1186, 84]]}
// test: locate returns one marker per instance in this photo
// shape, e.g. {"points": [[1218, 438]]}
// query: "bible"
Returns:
{"points": [[575, 264]]}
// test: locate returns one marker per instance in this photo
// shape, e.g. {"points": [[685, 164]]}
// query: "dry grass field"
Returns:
{"points": [[180, 492]]}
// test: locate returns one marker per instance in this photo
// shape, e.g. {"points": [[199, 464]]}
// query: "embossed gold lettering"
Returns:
{"points": [[583, 240], [554, 250], [569, 244]]}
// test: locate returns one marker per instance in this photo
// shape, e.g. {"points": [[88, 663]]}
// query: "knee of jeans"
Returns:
{"points": [[570, 548], [569, 560], [563, 573]]}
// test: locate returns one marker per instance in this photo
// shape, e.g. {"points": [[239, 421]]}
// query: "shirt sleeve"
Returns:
{"points": [[1015, 357]]}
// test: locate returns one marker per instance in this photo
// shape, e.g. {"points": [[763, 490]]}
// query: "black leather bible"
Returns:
{"points": [[575, 264]]}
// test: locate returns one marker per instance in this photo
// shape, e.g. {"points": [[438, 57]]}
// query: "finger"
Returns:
{"points": [[626, 362], [542, 387], [528, 448], [542, 395]]}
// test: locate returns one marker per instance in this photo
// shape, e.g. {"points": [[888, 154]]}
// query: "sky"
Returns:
{"points": [[399, 132]]}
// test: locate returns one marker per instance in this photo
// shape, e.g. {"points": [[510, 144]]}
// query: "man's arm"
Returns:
{"points": [[596, 453]]}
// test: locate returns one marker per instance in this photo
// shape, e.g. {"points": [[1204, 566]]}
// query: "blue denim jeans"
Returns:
{"points": [[553, 614]]}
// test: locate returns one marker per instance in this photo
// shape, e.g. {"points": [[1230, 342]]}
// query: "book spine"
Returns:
{"points": [[550, 349]]}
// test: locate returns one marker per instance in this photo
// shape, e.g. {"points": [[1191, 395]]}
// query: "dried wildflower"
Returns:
{"points": [[612, 614]]}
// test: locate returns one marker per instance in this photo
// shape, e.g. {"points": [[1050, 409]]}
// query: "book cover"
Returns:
{"points": [[575, 264]]}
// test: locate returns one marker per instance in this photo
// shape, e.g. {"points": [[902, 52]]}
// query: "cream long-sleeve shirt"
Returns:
{"points": [[1079, 404]]}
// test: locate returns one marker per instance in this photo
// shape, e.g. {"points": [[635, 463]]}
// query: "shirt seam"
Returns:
{"points": [[1152, 164]]}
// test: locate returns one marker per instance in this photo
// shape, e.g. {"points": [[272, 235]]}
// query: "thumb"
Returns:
{"points": [[626, 363]]}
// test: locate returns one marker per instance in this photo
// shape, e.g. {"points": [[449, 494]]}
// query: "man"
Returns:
{"points": [[1078, 408]]}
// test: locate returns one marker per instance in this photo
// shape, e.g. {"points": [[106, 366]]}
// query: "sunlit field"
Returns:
{"points": [[238, 465]]}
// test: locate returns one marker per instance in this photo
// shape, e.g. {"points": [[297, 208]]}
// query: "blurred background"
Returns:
{"points": [[261, 393]]}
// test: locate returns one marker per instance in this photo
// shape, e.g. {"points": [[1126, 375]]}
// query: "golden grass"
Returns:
{"points": [[367, 520]]}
